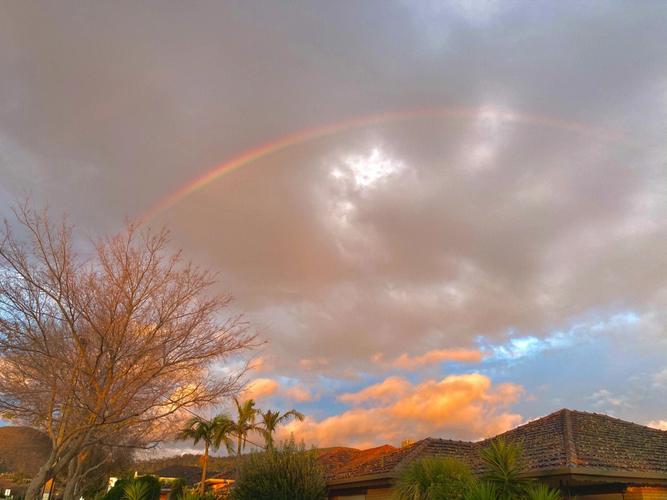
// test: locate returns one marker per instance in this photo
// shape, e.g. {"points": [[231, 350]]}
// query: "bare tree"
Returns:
{"points": [[119, 340]]}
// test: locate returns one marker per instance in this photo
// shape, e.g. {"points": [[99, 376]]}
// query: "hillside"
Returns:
{"points": [[23, 450]]}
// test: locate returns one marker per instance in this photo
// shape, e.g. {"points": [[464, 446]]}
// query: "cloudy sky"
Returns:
{"points": [[446, 218]]}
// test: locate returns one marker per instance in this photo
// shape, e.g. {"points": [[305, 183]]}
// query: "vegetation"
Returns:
{"points": [[434, 479], [102, 348], [444, 478], [246, 414], [482, 490], [271, 420], [177, 489], [541, 491], [192, 494], [212, 433], [140, 488], [285, 473], [504, 462], [137, 490]]}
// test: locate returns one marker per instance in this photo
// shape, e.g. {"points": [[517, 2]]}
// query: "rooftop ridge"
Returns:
{"points": [[569, 445], [616, 419], [416, 448]]}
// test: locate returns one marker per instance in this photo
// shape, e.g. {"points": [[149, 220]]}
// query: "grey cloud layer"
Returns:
{"points": [[104, 108]]}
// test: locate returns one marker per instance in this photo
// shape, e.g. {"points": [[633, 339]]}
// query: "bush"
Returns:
{"points": [[504, 469], [193, 494], [482, 491], [434, 479], [541, 491], [116, 493], [177, 488], [287, 473], [151, 484]]}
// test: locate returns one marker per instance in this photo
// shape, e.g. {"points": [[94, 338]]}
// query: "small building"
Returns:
{"points": [[587, 455]]}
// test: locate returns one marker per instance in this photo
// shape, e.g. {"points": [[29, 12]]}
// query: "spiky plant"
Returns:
{"points": [[504, 467], [434, 479], [541, 491], [136, 490], [482, 490]]}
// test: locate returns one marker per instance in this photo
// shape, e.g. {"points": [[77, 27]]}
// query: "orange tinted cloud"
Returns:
{"points": [[658, 424], [298, 393], [260, 387], [458, 406], [260, 364], [310, 364], [386, 391], [407, 362]]}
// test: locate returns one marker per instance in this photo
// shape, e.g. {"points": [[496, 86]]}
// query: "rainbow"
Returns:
{"points": [[256, 153]]}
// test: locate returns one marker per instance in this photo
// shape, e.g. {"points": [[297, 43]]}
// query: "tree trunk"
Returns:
{"points": [[238, 457], [33, 492], [202, 484], [73, 471]]}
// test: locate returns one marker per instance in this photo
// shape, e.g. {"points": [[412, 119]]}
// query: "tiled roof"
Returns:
{"points": [[565, 438]]}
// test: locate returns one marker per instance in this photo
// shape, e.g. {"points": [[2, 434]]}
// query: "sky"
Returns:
{"points": [[444, 218]]}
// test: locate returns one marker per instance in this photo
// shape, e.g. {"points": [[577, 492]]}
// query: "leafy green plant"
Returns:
{"points": [[193, 494], [177, 489], [482, 490], [434, 479], [504, 467], [116, 493], [540, 491], [150, 484], [136, 490], [285, 473]]}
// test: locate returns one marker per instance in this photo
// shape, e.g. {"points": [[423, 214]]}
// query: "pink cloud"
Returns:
{"points": [[260, 364], [386, 391], [298, 393], [458, 406], [407, 362], [260, 388], [310, 364]]}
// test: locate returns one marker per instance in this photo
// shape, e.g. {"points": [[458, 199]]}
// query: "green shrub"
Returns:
{"points": [[287, 473], [434, 479], [193, 494], [136, 490], [116, 493], [540, 491], [151, 484], [482, 491], [177, 488], [504, 468]]}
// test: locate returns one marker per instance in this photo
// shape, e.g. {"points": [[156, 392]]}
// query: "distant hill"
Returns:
{"points": [[186, 466], [23, 450]]}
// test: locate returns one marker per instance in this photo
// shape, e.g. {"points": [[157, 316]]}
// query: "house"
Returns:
{"points": [[587, 455]]}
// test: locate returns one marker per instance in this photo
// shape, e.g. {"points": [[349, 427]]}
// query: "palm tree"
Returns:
{"points": [[212, 433], [246, 415], [504, 464], [272, 419]]}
